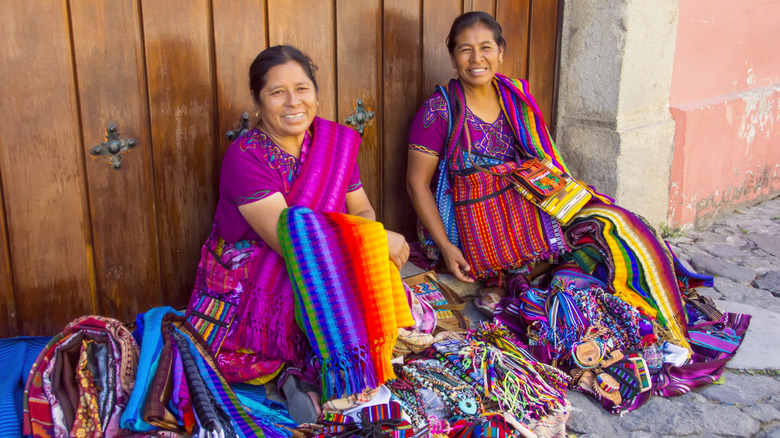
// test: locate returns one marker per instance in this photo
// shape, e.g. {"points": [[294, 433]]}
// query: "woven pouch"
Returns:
{"points": [[448, 305]]}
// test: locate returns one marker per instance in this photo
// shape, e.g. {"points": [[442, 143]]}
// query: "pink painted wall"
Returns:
{"points": [[725, 101]]}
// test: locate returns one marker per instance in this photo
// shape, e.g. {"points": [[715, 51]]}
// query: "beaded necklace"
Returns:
{"points": [[409, 398], [607, 310], [460, 398]]}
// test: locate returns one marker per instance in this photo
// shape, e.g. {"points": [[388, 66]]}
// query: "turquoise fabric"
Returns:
{"points": [[151, 345], [254, 399]]}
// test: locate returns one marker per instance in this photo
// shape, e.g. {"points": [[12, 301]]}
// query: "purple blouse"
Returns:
{"points": [[255, 168], [429, 131]]}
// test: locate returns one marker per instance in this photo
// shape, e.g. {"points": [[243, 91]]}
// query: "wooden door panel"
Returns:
{"points": [[78, 238], [309, 26], [513, 16], [402, 67], [108, 55], [437, 64], [41, 162], [239, 35], [542, 53], [359, 53], [488, 6], [179, 69], [8, 322]]}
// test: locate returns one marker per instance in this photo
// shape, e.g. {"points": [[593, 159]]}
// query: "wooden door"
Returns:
{"points": [[78, 237]]}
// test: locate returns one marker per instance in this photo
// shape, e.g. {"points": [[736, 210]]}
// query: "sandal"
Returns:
{"points": [[487, 303], [299, 403]]}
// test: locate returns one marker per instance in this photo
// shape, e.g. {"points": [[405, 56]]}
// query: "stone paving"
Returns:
{"points": [[742, 251]]}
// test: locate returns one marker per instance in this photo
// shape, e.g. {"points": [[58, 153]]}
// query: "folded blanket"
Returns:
{"points": [[72, 390], [641, 270]]}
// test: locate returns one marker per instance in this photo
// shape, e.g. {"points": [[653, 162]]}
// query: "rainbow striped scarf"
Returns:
{"points": [[641, 268], [349, 299], [262, 324]]}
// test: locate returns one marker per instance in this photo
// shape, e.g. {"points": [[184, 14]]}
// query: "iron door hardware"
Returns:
{"points": [[113, 148]]}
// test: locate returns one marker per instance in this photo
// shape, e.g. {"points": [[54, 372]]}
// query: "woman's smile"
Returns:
{"points": [[476, 56], [288, 104]]}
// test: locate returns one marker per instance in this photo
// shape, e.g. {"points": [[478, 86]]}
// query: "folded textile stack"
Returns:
{"points": [[179, 387], [81, 381]]}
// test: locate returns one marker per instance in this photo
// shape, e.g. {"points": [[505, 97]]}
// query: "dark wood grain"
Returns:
{"points": [[542, 54], [182, 111], [513, 15], [8, 322], [437, 65], [309, 26], [239, 35], [108, 54], [359, 54], [402, 75], [78, 238], [41, 163]]}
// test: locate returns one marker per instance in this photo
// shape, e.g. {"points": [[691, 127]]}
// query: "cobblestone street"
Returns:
{"points": [[742, 251]]}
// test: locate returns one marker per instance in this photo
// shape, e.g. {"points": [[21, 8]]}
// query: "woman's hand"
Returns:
{"points": [[418, 185], [399, 249], [456, 263]]}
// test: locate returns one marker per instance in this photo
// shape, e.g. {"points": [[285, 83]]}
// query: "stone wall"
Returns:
{"points": [[614, 126], [672, 106]]}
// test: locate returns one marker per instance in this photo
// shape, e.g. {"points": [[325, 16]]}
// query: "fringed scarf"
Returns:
{"points": [[263, 323], [640, 267], [348, 295]]}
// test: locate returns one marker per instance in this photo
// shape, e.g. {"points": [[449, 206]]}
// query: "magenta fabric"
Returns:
{"points": [[255, 168], [704, 367], [265, 323], [428, 133]]}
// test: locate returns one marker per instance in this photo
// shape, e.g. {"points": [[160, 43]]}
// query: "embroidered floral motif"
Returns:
{"points": [[497, 138], [249, 141], [278, 159], [435, 107]]}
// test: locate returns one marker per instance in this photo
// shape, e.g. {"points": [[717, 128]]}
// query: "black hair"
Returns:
{"points": [[273, 56], [464, 21]]}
